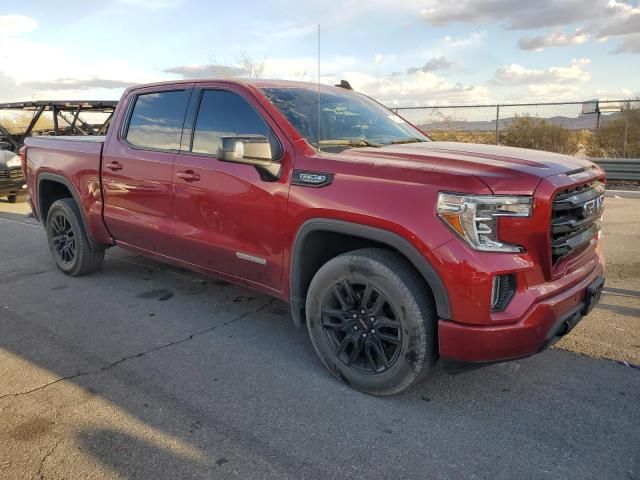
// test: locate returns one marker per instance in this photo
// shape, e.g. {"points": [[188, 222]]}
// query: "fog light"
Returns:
{"points": [[503, 288]]}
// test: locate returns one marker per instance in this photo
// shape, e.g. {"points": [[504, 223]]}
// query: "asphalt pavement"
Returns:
{"points": [[147, 371]]}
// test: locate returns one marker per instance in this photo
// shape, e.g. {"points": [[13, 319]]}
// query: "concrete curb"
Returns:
{"points": [[622, 193]]}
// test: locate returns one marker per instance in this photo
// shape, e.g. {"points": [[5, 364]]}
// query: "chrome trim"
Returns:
{"points": [[251, 258]]}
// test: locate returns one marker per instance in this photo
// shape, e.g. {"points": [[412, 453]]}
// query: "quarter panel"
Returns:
{"points": [[78, 162]]}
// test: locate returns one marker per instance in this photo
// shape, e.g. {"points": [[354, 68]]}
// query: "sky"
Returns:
{"points": [[402, 52]]}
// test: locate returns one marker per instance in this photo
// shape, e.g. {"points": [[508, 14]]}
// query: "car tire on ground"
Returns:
{"points": [[12, 198], [68, 241], [371, 321]]}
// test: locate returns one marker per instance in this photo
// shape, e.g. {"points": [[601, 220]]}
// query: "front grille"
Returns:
{"points": [[11, 173], [575, 218]]}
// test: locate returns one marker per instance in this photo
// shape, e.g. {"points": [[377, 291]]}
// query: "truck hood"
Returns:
{"points": [[502, 169]]}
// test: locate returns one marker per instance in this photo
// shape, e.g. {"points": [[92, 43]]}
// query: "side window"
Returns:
{"points": [[156, 120], [227, 114]]}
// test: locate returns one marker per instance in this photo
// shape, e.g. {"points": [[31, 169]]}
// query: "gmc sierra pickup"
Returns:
{"points": [[393, 249]]}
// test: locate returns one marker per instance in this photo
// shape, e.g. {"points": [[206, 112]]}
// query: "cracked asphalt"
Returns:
{"points": [[147, 371]]}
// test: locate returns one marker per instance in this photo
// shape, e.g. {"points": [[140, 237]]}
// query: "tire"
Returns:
{"points": [[68, 241], [391, 346], [13, 198]]}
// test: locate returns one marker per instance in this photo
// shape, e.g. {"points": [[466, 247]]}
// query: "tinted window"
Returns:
{"points": [[346, 118], [156, 120], [226, 114]]}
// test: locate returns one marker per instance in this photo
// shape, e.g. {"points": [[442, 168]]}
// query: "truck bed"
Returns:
{"points": [[75, 162]]}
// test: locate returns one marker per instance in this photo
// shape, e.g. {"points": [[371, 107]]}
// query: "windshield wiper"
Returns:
{"points": [[350, 143], [406, 140]]}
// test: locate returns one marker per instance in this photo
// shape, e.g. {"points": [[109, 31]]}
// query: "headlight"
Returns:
{"points": [[474, 217], [13, 162]]}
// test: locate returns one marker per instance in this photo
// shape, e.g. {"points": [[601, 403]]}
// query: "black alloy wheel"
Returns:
{"points": [[372, 321], [362, 327], [68, 240], [63, 238]]}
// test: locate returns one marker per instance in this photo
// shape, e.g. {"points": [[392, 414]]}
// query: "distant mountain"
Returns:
{"points": [[582, 122]]}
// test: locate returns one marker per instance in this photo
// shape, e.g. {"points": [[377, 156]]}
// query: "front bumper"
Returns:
{"points": [[464, 345], [18, 187]]}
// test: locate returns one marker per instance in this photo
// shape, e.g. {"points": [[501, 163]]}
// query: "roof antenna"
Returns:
{"points": [[318, 99], [344, 84]]}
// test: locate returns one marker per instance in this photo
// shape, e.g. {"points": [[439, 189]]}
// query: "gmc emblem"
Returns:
{"points": [[592, 206]]}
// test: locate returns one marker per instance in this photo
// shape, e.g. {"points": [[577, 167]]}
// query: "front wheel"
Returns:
{"points": [[68, 241], [371, 321]]}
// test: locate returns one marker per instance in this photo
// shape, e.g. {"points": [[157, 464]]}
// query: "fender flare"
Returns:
{"points": [[367, 232], [95, 246]]}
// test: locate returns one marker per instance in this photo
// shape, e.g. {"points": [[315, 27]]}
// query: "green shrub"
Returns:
{"points": [[462, 136], [608, 141], [538, 134]]}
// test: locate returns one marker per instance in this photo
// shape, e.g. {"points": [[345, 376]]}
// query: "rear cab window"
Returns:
{"points": [[156, 120]]}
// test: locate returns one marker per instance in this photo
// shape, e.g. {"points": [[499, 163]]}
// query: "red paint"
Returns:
{"points": [[156, 204]]}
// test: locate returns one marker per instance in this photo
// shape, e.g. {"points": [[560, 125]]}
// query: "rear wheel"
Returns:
{"points": [[371, 321], [68, 241], [12, 198]]}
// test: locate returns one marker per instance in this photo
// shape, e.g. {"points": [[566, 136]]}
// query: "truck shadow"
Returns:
{"points": [[130, 456]]}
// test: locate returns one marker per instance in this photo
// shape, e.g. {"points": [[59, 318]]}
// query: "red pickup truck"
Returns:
{"points": [[393, 249]]}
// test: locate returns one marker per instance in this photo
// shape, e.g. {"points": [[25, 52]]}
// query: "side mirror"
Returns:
{"points": [[251, 150]]}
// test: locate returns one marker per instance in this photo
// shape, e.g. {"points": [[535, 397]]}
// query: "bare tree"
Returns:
{"points": [[253, 69], [243, 67]]}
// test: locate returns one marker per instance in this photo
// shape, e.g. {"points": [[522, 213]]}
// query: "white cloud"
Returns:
{"points": [[473, 39], [306, 68], [614, 94], [630, 44], [419, 88], [548, 92], [55, 73], [433, 64], [76, 84], [619, 19], [153, 4], [622, 20], [553, 39], [11, 25], [205, 71], [602, 18], [517, 14], [514, 74], [289, 31], [416, 87]]}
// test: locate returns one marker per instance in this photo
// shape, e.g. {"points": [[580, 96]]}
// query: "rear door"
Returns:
{"points": [[230, 217], [137, 168]]}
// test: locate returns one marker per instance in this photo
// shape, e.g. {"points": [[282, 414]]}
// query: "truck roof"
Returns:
{"points": [[257, 83]]}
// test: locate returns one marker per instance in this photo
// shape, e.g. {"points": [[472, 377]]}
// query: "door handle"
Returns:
{"points": [[114, 166], [188, 176]]}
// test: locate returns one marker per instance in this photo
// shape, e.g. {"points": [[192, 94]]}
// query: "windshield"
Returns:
{"points": [[347, 119]]}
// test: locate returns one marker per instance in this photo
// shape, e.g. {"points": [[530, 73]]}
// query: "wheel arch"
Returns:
{"points": [[305, 261], [45, 201]]}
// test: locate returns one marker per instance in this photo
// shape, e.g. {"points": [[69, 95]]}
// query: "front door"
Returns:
{"points": [[137, 169], [230, 217]]}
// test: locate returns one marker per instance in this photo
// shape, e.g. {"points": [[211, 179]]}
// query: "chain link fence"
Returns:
{"points": [[594, 129]]}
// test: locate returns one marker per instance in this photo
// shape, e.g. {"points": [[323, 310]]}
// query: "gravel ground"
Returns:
{"points": [[623, 185], [613, 329]]}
